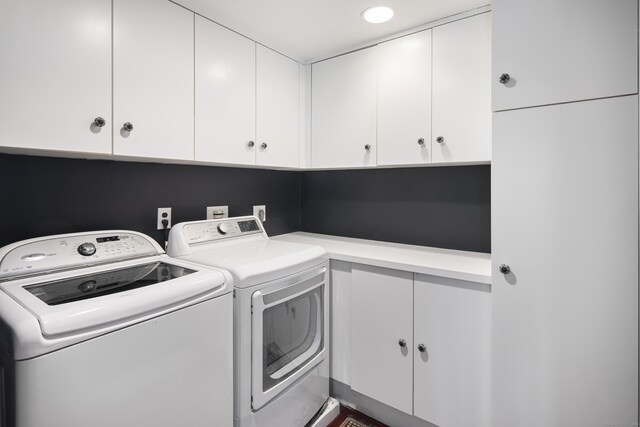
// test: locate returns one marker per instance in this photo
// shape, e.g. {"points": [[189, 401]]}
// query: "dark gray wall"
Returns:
{"points": [[42, 196], [446, 207]]}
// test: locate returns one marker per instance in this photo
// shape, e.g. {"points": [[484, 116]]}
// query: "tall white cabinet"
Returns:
{"points": [[153, 80], [550, 51], [55, 75], [461, 91], [225, 95]]}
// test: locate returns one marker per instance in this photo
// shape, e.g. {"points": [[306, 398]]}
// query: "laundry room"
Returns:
{"points": [[394, 213]]}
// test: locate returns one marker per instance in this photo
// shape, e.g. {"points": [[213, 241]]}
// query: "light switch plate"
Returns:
{"points": [[260, 211], [216, 209]]}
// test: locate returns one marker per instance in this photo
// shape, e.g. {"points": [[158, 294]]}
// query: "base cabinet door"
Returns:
{"points": [[277, 109], [225, 95], [461, 128], [344, 113], [55, 75], [560, 51], [382, 335], [565, 227], [153, 74], [452, 352]]}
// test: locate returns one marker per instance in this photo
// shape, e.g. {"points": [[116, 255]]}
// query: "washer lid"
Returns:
{"points": [[255, 262]]}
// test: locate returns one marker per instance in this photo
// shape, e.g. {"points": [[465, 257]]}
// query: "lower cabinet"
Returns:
{"points": [[418, 343]]}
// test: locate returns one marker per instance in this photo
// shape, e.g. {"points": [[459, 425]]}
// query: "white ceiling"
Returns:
{"points": [[310, 29]]}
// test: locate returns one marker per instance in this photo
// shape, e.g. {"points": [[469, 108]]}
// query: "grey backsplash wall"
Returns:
{"points": [[445, 207]]}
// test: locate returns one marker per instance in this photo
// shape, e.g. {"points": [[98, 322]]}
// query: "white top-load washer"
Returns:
{"points": [[103, 329], [281, 317]]}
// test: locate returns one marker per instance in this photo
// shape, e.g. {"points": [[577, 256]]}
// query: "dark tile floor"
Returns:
{"points": [[346, 412]]}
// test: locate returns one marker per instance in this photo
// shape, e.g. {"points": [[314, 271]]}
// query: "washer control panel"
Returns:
{"points": [[207, 231], [63, 252]]}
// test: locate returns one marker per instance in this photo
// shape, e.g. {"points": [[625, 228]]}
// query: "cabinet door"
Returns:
{"points": [[561, 51], [404, 100], [462, 91], [565, 219], [381, 316], [55, 77], [278, 109], [344, 92], [153, 79], [225, 95], [452, 375]]}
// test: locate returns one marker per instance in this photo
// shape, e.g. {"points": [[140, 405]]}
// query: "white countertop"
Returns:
{"points": [[470, 266]]}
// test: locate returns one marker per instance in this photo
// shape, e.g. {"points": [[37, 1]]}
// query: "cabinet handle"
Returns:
{"points": [[263, 145], [440, 140], [99, 122], [402, 343], [421, 142], [250, 144], [127, 127], [504, 78], [504, 269], [367, 147], [422, 348]]}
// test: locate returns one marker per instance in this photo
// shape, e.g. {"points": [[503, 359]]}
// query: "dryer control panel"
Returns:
{"points": [[207, 231], [73, 250]]}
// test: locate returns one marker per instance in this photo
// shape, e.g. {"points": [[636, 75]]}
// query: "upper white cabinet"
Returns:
{"points": [[278, 109], [225, 95], [452, 352], [344, 99], [462, 91], [404, 100], [565, 222], [153, 79], [551, 51], [55, 75]]}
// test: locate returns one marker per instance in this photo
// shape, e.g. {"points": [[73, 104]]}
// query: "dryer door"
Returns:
{"points": [[288, 323]]}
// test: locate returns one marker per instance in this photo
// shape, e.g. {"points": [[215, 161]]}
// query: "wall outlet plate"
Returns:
{"points": [[164, 213], [217, 212], [260, 211]]}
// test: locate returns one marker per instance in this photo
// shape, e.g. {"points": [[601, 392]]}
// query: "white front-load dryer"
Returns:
{"points": [[281, 317], [103, 329]]}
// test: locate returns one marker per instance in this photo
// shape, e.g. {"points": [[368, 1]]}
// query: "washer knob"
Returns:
{"points": [[223, 228], [87, 249]]}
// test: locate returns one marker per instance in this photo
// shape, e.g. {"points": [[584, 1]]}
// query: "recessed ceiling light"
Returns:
{"points": [[377, 14]]}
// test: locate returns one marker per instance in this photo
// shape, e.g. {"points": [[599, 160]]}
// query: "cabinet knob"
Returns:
{"points": [[263, 145], [367, 147], [440, 140], [127, 127], [99, 122], [504, 269], [504, 78], [250, 144], [421, 142], [422, 348], [402, 343]]}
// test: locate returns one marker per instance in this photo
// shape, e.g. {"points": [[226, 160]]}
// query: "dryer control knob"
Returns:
{"points": [[223, 228], [87, 249]]}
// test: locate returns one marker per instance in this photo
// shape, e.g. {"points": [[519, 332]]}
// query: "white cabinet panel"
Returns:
{"points": [[381, 316], [452, 385], [55, 75], [462, 91], [153, 74], [404, 100], [565, 219], [344, 92], [341, 321], [225, 95], [561, 51], [278, 109]]}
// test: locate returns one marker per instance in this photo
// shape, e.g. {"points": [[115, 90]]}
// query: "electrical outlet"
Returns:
{"points": [[260, 211], [164, 213], [217, 212]]}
